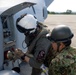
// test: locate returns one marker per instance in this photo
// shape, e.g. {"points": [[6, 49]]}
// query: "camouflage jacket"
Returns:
{"points": [[64, 63]]}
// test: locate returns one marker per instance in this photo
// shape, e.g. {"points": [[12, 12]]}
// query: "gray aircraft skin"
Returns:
{"points": [[10, 11]]}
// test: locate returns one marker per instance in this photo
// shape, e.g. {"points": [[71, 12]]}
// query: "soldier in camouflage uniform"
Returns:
{"points": [[64, 61]]}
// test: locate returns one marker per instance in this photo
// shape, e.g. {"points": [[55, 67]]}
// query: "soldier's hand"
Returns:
{"points": [[18, 53], [14, 55]]}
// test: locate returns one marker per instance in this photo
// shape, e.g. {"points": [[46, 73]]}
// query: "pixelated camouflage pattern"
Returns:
{"points": [[50, 55], [64, 63]]}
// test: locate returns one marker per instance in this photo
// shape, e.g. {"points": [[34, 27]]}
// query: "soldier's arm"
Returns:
{"points": [[54, 68], [39, 53], [31, 61], [62, 67]]}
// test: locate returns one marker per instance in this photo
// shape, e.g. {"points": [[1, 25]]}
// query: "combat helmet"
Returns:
{"points": [[61, 33]]}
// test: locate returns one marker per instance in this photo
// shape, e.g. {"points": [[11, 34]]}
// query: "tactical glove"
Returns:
{"points": [[14, 55]]}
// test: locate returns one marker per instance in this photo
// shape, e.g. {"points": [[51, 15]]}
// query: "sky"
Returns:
{"points": [[62, 5]]}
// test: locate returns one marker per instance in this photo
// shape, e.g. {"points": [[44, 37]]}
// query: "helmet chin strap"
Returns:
{"points": [[32, 31], [58, 45]]}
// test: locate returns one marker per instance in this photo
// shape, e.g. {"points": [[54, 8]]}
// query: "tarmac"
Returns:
{"points": [[69, 20]]}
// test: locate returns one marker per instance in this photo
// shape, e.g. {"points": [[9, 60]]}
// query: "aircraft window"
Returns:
{"points": [[4, 22]]}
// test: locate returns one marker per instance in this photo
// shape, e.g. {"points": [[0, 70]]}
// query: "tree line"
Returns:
{"points": [[67, 12]]}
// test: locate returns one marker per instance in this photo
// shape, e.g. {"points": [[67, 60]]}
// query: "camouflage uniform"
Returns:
{"points": [[64, 63]]}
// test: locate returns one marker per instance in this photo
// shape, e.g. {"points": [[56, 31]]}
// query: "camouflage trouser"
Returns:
{"points": [[36, 71]]}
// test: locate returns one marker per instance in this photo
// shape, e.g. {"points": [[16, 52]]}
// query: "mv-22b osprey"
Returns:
{"points": [[10, 11]]}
